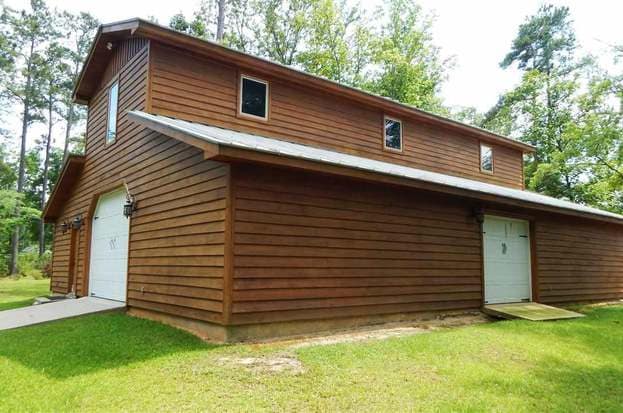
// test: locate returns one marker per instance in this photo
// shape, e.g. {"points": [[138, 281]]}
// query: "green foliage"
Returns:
{"points": [[41, 53], [544, 42], [410, 68], [283, 27], [13, 213], [33, 265], [566, 107], [391, 54], [201, 24]]}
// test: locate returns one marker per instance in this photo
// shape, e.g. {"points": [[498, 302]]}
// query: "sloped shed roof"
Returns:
{"points": [[201, 135]]}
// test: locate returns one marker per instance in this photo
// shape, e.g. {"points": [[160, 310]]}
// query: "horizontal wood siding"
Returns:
{"points": [[197, 89], [177, 235], [311, 247], [578, 260]]}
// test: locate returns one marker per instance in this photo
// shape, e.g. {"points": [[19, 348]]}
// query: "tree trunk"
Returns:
{"points": [[20, 185], [69, 121], [46, 167], [22, 159], [220, 24], [70, 114]]}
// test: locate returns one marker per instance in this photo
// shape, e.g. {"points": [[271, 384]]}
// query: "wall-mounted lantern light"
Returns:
{"points": [[129, 207], [77, 222], [479, 215], [64, 227]]}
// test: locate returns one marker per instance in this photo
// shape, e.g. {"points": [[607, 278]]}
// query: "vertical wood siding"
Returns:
{"points": [[578, 260], [311, 247], [176, 236], [197, 89], [121, 54]]}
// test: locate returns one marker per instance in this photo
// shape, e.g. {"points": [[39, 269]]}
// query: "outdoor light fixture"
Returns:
{"points": [[77, 222], [129, 207], [479, 215], [64, 227]]}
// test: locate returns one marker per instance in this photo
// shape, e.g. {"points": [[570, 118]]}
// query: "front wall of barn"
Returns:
{"points": [[176, 237]]}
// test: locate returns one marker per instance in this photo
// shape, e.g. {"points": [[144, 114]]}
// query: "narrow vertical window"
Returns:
{"points": [[113, 98], [393, 134], [486, 158], [253, 97]]}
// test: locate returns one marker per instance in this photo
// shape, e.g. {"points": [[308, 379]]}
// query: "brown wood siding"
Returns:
{"points": [[311, 247], [177, 235], [578, 260], [202, 90]]}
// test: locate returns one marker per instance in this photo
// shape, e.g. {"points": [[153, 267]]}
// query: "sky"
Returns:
{"points": [[476, 33]]}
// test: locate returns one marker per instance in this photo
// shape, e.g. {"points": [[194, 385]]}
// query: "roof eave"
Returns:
{"points": [[221, 152], [80, 96], [76, 160]]}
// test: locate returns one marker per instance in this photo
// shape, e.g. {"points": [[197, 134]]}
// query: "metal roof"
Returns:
{"points": [[230, 138]]}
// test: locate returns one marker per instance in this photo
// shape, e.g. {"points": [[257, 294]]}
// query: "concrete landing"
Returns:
{"points": [[529, 311], [58, 310]]}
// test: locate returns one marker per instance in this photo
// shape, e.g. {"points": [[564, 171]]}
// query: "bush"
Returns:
{"points": [[31, 265]]}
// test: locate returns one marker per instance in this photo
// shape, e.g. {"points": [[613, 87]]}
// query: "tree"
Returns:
{"points": [[563, 106], [220, 22], [282, 29], [338, 44], [10, 202], [28, 30], [201, 25], [55, 77], [545, 42], [409, 67], [79, 31]]}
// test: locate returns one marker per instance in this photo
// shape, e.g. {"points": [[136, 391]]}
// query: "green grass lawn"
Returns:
{"points": [[21, 292], [112, 362]]}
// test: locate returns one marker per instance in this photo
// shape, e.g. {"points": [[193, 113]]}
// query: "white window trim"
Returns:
{"points": [[486, 171], [249, 115], [402, 142], [106, 140]]}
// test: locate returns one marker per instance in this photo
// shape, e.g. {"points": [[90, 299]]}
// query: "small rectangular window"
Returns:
{"points": [[486, 158], [113, 99], [253, 97], [393, 134]]}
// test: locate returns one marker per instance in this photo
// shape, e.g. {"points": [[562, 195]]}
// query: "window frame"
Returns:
{"points": [[480, 152], [114, 82], [243, 76], [384, 136]]}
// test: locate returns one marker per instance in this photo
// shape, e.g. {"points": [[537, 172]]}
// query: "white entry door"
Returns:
{"points": [[109, 248], [506, 260]]}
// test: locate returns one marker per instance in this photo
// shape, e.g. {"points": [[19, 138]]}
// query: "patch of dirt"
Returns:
{"points": [[267, 364], [384, 331]]}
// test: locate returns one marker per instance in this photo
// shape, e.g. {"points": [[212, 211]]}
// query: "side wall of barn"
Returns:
{"points": [[309, 247]]}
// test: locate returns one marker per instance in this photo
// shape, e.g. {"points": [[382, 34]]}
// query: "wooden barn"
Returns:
{"points": [[242, 199]]}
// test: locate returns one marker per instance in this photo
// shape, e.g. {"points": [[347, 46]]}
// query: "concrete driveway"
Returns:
{"points": [[36, 314]]}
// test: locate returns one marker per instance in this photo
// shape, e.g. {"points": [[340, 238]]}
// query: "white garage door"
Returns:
{"points": [[506, 260], [109, 248]]}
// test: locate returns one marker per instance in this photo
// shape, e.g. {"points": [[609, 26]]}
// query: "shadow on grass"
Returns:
{"points": [[563, 385], [91, 343], [16, 304], [580, 369]]}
